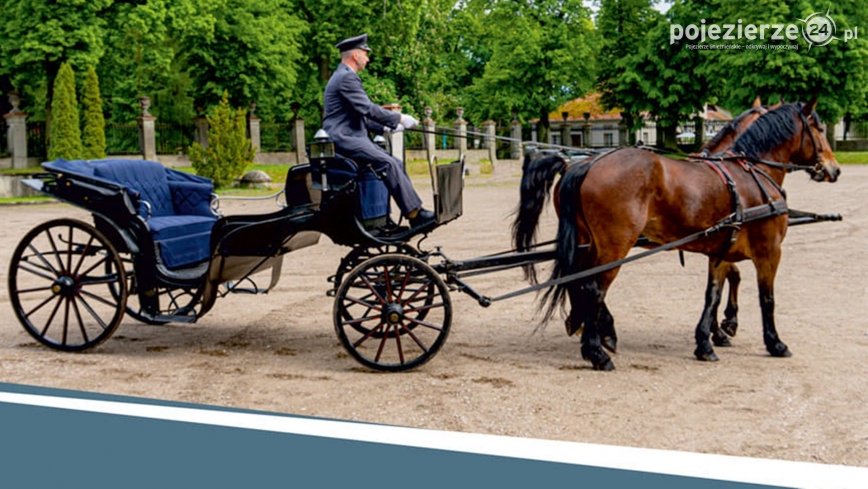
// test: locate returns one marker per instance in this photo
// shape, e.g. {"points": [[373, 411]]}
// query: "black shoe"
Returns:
{"points": [[423, 217]]}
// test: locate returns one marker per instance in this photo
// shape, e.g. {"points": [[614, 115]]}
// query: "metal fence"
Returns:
{"points": [[275, 137], [37, 140], [121, 139], [174, 138]]}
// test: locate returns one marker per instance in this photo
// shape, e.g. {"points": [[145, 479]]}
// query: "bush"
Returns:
{"points": [[65, 135], [93, 134], [229, 151]]}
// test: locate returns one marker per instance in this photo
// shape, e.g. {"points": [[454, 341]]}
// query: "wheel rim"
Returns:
{"points": [[359, 255], [67, 285], [385, 297]]}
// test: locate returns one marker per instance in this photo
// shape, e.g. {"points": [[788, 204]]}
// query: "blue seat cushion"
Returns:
{"points": [[373, 196], [182, 240], [148, 178]]}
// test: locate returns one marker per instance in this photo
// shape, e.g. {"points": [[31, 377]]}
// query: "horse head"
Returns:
{"points": [[793, 137], [817, 153]]}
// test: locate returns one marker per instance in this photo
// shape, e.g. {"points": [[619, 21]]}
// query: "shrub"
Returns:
{"points": [[93, 133], [229, 151], [65, 135]]}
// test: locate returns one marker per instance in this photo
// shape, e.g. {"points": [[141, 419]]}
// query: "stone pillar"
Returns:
{"points": [[16, 132], [253, 128], [298, 141], [698, 130], [586, 130], [147, 131], [490, 130], [515, 149], [396, 139], [201, 123], [429, 127], [566, 140], [460, 140]]}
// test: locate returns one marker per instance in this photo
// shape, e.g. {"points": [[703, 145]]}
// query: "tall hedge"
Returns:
{"points": [[65, 136], [93, 132], [229, 150]]}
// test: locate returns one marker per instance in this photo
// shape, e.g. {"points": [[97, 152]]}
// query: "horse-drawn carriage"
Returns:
{"points": [[159, 251]]}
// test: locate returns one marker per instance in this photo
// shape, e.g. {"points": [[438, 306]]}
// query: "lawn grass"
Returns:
{"points": [[852, 157], [38, 199]]}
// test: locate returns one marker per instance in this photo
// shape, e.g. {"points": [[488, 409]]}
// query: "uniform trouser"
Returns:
{"points": [[399, 184]]}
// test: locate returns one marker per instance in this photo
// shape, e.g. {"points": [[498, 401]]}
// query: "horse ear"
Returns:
{"points": [[757, 103], [809, 107]]}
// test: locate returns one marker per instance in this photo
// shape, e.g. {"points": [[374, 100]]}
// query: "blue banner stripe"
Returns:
{"points": [[49, 447]]}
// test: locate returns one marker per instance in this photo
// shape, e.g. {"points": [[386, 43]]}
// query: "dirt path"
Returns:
{"points": [[278, 352]]}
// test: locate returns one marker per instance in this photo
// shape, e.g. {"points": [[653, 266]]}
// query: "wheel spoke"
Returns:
{"points": [[93, 313], [35, 289], [98, 298], [34, 269], [83, 254], [38, 254], [98, 263], [367, 335], [425, 324], [69, 253], [403, 285], [51, 317], [382, 343], [398, 344], [56, 252], [65, 320], [372, 289], [363, 302], [362, 319], [413, 335], [41, 304], [427, 307], [80, 322]]}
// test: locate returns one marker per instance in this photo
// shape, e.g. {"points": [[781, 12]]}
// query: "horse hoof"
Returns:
{"points": [[606, 366], [706, 356], [720, 340], [779, 350], [729, 326], [610, 343]]}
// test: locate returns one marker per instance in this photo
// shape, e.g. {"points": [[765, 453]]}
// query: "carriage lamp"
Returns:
{"points": [[380, 141], [322, 146]]}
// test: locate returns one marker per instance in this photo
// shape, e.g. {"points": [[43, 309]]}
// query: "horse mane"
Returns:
{"points": [[730, 128], [770, 130]]}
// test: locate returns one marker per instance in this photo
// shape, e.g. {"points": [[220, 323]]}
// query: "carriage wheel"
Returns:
{"points": [[385, 295], [67, 285], [181, 300], [362, 253]]}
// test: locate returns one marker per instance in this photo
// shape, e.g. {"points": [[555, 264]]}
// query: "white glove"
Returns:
{"points": [[399, 128], [408, 121]]}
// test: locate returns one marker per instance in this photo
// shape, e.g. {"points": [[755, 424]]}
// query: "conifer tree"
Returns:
{"points": [[93, 133], [65, 137], [229, 150]]}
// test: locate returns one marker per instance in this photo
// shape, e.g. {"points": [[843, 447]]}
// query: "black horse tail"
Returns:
{"points": [[568, 258], [538, 175]]}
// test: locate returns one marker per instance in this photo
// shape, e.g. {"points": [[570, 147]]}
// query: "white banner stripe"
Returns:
{"points": [[686, 464]]}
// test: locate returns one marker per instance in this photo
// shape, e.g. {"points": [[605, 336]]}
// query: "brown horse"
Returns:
{"points": [[537, 178], [610, 202]]}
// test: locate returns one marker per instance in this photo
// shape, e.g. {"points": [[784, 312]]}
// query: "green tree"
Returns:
{"points": [[251, 51], [65, 136], [93, 132], [835, 73], [543, 54], [229, 151], [38, 36], [623, 26]]}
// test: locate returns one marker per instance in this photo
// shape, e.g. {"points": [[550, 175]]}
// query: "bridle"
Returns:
{"points": [[815, 168]]}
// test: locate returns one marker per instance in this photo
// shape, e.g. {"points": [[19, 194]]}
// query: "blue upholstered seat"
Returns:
{"points": [[179, 217]]}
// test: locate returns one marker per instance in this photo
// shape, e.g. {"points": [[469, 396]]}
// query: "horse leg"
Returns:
{"points": [[729, 325], [766, 269], [708, 321], [599, 324], [576, 320]]}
